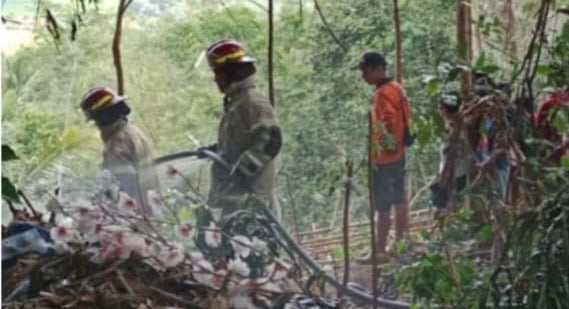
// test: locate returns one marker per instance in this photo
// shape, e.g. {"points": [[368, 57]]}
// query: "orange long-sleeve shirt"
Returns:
{"points": [[390, 111]]}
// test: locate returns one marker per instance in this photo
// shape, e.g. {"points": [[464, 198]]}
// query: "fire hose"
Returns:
{"points": [[296, 248]]}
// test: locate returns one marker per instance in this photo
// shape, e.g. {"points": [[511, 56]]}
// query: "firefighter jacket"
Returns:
{"points": [[127, 155], [248, 139]]}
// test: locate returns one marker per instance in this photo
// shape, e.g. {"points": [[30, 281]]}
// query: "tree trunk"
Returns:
{"points": [[271, 79], [123, 5], [399, 52], [464, 40]]}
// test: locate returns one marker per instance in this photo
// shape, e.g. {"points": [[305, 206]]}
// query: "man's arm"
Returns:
{"points": [[266, 140], [386, 116], [119, 161]]}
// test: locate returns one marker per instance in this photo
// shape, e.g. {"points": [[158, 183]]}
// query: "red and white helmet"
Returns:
{"points": [[99, 98], [225, 52]]}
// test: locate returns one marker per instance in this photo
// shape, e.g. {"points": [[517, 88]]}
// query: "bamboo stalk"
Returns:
{"points": [[372, 211], [346, 227], [398, 49]]}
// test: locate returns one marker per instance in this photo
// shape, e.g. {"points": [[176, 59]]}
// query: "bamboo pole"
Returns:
{"points": [[372, 211]]}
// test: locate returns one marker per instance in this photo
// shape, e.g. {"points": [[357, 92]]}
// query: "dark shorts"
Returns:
{"points": [[389, 184]]}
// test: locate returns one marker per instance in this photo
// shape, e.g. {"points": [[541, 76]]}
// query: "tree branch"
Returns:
{"points": [[332, 34], [123, 4], [271, 79]]}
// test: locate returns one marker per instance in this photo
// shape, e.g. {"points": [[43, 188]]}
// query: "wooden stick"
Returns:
{"points": [[346, 227], [173, 297], [124, 282], [270, 50], [372, 212], [398, 50]]}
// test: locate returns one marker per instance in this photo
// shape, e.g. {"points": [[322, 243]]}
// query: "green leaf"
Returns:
{"points": [[433, 87], [8, 153], [424, 134], [565, 162], [490, 69], [480, 61], [185, 214], [9, 191], [544, 69], [483, 234]]}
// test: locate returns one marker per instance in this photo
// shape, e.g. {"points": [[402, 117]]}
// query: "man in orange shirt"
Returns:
{"points": [[390, 116]]}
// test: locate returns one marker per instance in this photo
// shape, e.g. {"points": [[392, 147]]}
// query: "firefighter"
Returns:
{"points": [[249, 138], [127, 154]]}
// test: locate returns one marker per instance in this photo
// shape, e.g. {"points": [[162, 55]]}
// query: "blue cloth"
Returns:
{"points": [[23, 238]]}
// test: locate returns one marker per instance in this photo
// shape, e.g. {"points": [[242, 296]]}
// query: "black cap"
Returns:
{"points": [[371, 59]]}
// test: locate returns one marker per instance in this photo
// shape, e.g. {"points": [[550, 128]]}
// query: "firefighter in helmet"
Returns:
{"points": [[248, 136], [127, 154]]}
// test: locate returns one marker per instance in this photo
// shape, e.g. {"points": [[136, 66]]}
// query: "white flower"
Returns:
{"points": [[126, 203], [153, 250], [213, 236], [237, 266], [258, 244], [203, 271], [241, 301], [196, 256], [61, 234], [186, 230], [278, 269], [135, 243], [242, 245], [155, 201], [88, 219], [173, 256]]}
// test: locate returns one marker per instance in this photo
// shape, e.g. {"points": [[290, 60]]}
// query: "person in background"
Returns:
{"points": [[454, 160], [249, 138], [390, 115], [548, 109], [127, 153]]}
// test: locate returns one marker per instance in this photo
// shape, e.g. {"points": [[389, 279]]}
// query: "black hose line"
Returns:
{"points": [[345, 290]]}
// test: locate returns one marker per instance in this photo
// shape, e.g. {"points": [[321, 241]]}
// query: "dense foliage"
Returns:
{"points": [[321, 106]]}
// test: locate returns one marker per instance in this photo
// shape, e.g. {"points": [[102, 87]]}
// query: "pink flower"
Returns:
{"points": [[218, 278], [213, 235], [114, 251], [126, 203], [186, 230], [173, 256], [61, 234]]}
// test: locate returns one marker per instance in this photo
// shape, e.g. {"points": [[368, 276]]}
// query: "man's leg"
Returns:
{"points": [[383, 223], [401, 220], [401, 203]]}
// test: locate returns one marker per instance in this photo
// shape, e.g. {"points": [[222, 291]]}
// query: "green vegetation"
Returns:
{"points": [[321, 106]]}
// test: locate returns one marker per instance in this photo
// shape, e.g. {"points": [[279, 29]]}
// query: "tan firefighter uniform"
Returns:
{"points": [[127, 155], [244, 132]]}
